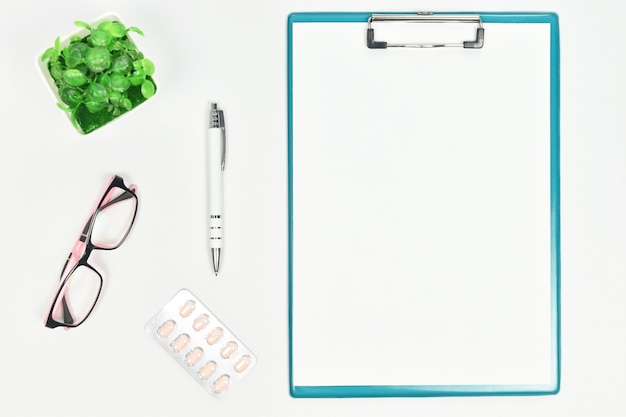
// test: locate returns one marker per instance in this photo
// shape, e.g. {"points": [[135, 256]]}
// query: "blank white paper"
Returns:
{"points": [[421, 210]]}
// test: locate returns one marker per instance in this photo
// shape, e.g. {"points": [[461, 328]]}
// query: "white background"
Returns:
{"points": [[235, 52]]}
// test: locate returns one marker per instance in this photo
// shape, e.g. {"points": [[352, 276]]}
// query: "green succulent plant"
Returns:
{"points": [[100, 76]]}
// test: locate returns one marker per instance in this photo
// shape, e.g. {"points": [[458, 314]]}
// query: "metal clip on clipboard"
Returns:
{"points": [[425, 18]]}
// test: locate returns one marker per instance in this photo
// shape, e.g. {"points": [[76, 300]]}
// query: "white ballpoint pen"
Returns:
{"points": [[216, 158]]}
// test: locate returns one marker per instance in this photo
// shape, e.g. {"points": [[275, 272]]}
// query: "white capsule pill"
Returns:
{"points": [[221, 383], [166, 328], [193, 356], [187, 308], [242, 364], [207, 370], [215, 335], [180, 342], [200, 322], [228, 349]]}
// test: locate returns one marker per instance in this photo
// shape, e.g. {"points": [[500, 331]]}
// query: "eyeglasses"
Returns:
{"points": [[107, 228]]}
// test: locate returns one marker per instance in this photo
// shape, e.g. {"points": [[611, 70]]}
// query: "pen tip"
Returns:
{"points": [[215, 255]]}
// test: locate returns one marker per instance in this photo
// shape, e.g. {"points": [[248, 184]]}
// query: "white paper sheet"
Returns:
{"points": [[421, 225]]}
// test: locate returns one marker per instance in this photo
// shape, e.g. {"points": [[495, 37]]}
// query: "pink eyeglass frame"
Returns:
{"points": [[82, 250]]}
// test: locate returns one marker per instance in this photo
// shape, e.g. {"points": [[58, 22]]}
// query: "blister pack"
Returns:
{"points": [[200, 343]]}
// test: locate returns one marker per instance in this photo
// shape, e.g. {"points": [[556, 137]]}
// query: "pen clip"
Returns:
{"points": [[217, 121], [223, 127]]}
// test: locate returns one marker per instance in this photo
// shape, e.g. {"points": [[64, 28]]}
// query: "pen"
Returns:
{"points": [[216, 157]]}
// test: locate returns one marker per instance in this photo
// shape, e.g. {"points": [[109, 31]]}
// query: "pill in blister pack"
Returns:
{"points": [[200, 343]]}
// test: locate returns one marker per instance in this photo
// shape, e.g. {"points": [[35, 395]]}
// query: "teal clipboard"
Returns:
{"points": [[424, 204]]}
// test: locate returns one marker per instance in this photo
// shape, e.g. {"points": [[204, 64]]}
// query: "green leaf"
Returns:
{"points": [[48, 54], [56, 70], [83, 25], [98, 59], [148, 89], [94, 106], [57, 45], [99, 38], [74, 77], [134, 54], [74, 54], [127, 104], [136, 30], [115, 46], [105, 25], [136, 79], [119, 83], [97, 93], [78, 48], [117, 30], [74, 120], [129, 46], [64, 107], [71, 96], [83, 68], [148, 66], [105, 81], [122, 64], [81, 47], [115, 98], [73, 60]]}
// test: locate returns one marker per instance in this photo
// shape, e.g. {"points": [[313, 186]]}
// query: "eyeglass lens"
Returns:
{"points": [[80, 293], [114, 218]]}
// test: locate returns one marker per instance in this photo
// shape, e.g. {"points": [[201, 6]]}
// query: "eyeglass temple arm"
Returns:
{"points": [[124, 196]]}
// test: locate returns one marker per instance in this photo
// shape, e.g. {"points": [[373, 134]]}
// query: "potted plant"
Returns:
{"points": [[97, 73]]}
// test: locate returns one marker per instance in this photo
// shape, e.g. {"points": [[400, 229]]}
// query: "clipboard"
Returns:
{"points": [[424, 204]]}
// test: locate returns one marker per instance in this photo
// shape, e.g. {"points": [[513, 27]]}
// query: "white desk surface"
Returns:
{"points": [[235, 53]]}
